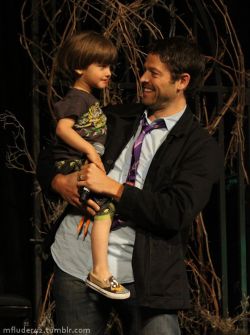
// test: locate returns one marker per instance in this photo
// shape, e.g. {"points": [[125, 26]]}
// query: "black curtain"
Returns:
{"points": [[15, 186]]}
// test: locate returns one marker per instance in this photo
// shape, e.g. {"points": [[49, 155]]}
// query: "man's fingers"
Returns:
{"points": [[92, 207], [91, 203], [90, 211], [73, 200]]}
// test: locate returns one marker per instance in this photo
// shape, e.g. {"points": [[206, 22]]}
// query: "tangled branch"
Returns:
{"points": [[17, 155]]}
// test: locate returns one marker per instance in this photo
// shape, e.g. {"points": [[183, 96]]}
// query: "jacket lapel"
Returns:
{"points": [[170, 151]]}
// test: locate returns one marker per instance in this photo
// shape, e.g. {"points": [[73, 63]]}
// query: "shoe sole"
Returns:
{"points": [[118, 296]]}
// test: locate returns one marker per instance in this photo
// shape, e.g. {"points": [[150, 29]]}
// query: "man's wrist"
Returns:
{"points": [[116, 190], [56, 181]]}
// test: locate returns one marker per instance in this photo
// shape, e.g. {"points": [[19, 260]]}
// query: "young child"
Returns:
{"points": [[84, 60]]}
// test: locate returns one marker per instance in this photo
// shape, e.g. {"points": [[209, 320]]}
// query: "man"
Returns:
{"points": [[158, 195]]}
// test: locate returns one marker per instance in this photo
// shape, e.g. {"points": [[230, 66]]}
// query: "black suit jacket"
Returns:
{"points": [[176, 189]]}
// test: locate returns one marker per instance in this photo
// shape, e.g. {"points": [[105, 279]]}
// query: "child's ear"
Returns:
{"points": [[79, 72]]}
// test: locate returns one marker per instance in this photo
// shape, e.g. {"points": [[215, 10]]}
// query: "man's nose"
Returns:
{"points": [[144, 78]]}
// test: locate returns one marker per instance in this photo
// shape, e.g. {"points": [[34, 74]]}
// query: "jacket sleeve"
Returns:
{"points": [[46, 171], [171, 198]]}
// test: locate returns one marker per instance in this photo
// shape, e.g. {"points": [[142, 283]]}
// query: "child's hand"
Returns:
{"points": [[95, 158]]}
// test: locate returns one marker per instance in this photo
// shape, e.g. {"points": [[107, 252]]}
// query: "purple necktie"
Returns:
{"points": [[136, 151]]}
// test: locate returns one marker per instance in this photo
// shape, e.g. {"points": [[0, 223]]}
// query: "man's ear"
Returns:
{"points": [[183, 81]]}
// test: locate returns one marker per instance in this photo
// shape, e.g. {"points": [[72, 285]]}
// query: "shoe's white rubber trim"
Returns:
{"points": [[107, 294]]}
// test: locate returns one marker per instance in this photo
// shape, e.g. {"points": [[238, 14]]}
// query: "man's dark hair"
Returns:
{"points": [[181, 55]]}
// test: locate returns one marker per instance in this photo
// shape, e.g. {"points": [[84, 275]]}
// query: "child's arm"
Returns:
{"points": [[65, 131]]}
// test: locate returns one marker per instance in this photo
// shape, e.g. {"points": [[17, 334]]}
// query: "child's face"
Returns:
{"points": [[95, 76]]}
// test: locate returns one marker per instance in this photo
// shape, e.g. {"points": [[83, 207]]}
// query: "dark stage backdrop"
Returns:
{"points": [[15, 186], [16, 252]]}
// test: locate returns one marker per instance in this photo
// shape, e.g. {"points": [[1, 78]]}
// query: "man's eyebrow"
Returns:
{"points": [[152, 68], [155, 70]]}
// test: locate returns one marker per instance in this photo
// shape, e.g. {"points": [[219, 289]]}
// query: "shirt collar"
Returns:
{"points": [[171, 120]]}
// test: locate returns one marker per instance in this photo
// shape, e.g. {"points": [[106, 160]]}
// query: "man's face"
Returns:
{"points": [[158, 87]]}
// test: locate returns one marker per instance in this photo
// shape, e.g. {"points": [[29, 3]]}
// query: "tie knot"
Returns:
{"points": [[146, 128], [159, 123]]}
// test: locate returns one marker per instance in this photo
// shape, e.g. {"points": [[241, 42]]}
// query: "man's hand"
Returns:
{"points": [[66, 186], [92, 207], [97, 181]]}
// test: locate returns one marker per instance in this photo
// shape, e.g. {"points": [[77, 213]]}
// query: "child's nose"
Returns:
{"points": [[108, 71]]}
